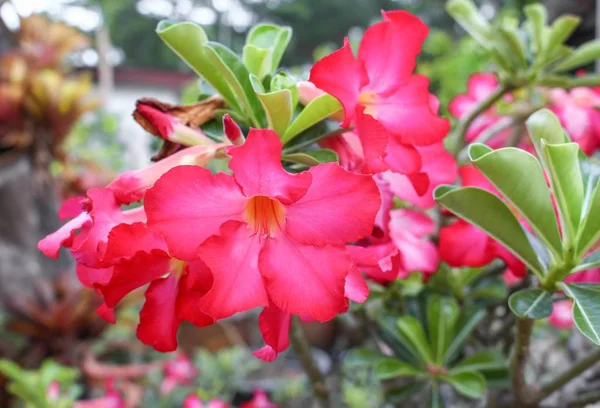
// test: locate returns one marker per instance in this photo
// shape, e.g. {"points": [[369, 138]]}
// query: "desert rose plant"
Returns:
{"points": [[348, 193]]}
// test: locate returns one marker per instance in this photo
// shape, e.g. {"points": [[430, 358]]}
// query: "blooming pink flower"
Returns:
{"points": [[562, 315], [479, 87], [462, 244], [193, 401], [259, 400], [178, 371], [270, 238], [111, 399], [378, 86], [577, 110]]}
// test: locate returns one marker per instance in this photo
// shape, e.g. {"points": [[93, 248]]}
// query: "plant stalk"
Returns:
{"points": [[526, 397], [304, 353]]}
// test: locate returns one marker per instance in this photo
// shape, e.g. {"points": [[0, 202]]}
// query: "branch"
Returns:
{"points": [[304, 353], [523, 391], [569, 374], [464, 123]]}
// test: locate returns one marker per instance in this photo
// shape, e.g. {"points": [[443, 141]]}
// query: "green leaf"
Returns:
{"points": [[442, 315], [470, 384], [284, 81], [435, 399], [10, 369], [363, 356], [531, 303], [188, 41], [312, 157], [392, 336], [277, 105], [516, 47], [317, 110], [586, 308], [589, 231], [536, 23], [567, 184], [560, 31], [269, 40], [544, 125], [583, 55], [589, 262], [412, 329], [486, 211], [390, 368], [481, 361], [465, 326], [466, 14], [505, 168], [237, 76], [397, 395]]}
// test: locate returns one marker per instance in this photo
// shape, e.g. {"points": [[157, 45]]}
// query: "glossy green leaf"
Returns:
{"points": [[560, 31], [516, 46], [482, 361], [466, 14], [312, 157], [583, 55], [544, 125], [273, 40], [589, 232], [586, 308], [467, 323], [277, 105], [505, 168], [442, 315], [531, 303], [317, 110], [237, 76], [470, 384], [284, 81], [388, 331], [589, 262], [486, 211], [567, 183], [188, 41], [536, 23], [390, 368], [257, 60], [363, 356], [412, 329]]}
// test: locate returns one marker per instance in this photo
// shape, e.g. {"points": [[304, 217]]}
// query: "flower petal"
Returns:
{"points": [[158, 321], [274, 325], [356, 287], [125, 240], [373, 137], [409, 231], [389, 49], [462, 244], [257, 168], [379, 262], [403, 158], [304, 279], [334, 197], [232, 257], [92, 276], [71, 208], [50, 245], [343, 76], [106, 313], [189, 204], [195, 282]]}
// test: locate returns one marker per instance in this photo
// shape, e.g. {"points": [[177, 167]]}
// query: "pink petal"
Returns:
{"points": [[562, 315], [106, 313], [356, 287], [514, 264], [257, 168], [373, 137], [232, 257], [50, 245], [274, 325], [461, 105], [379, 262], [304, 279], [589, 276], [334, 197], [382, 220], [188, 205], [349, 149], [389, 49], [125, 240], [471, 177], [343, 76], [91, 276], [158, 322], [71, 208], [462, 244], [195, 282], [409, 231], [133, 273], [407, 114], [266, 353], [481, 85], [402, 158]]}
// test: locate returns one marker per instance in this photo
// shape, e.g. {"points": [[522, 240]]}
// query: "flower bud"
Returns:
{"points": [[232, 130]]}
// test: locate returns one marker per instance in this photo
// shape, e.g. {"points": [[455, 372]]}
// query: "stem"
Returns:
{"points": [[464, 123], [569, 374], [302, 349], [523, 392]]}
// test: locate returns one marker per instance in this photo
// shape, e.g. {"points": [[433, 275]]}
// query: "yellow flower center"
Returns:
{"points": [[264, 215], [368, 100]]}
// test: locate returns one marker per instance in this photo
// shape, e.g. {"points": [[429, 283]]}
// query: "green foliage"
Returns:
{"points": [[586, 309], [531, 303], [32, 386]]}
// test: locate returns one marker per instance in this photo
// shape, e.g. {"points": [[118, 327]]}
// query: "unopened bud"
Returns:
{"points": [[232, 130]]}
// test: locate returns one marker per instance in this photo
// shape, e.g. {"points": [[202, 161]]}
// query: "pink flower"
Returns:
{"points": [[193, 401], [259, 400], [178, 371], [589, 276], [390, 107], [462, 244], [562, 315], [270, 238], [53, 391], [577, 110], [111, 399], [479, 87]]}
